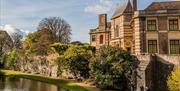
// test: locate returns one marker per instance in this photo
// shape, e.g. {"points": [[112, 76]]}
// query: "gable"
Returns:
{"points": [[124, 7]]}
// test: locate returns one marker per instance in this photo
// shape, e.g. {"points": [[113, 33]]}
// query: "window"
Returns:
{"points": [[116, 33], [93, 38], [174, 47], [152, 46], [151, 25], [173, 24], [101, 39]]}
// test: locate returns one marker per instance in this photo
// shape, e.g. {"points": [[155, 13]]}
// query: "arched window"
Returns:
{"points": [[101, 39]]}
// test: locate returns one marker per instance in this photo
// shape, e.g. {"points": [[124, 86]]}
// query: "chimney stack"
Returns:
{"points": [[134, 3], [102, 20]]}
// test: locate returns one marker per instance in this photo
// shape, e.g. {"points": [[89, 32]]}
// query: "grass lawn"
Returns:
{"points": [[65, 84]]}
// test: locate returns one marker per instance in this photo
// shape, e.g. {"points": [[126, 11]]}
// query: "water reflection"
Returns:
{"points": [[20, 84]]}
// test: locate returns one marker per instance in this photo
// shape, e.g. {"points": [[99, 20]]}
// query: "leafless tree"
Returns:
{"points": [[60, 29], [6, 44], [17, 40]]}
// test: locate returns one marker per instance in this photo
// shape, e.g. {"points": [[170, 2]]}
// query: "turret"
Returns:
{"points": [[134, 4]]}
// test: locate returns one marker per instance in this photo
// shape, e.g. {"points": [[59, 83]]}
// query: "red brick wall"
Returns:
{"points": [[163, 43], [102, 21], [162, 23], [127, 18]]}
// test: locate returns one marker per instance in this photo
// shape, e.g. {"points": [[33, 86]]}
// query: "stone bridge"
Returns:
{"points": [[153, 70]]}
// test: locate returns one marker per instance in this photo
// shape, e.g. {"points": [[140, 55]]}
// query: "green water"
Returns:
{"points": [[21, 84]]}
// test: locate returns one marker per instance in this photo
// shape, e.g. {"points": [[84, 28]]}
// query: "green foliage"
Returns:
{"points": [[38, 42], [109, 68], [75, 59], [174, 80], [10, 59], [59, 47]]}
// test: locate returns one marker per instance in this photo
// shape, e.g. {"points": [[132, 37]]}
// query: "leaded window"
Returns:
{"points": [[152, 46], [151, 25], [174, 46], [173, 24]]}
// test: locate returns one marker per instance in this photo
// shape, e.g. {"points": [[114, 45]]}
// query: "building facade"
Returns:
{"points": [[101, 35], [156, 29]]}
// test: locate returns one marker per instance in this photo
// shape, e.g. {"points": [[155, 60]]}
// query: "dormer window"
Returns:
{"points": [[151, 25]]}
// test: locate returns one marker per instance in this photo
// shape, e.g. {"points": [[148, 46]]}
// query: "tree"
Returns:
{"points": [[76, 60], [10, 59], [58, 27], [17, 40], [6, 44], [38, 43], [110, 68], [174, 80]]}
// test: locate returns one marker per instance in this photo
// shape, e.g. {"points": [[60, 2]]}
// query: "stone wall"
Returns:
{"points": [[44, 65], [38, 65]]}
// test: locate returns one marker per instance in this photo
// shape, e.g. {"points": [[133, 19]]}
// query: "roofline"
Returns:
{"points": [[129, 2], [165, 1], [159, 2], [116, 16]]}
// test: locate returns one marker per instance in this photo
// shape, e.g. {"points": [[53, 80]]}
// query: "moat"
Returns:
{"points": [[21, 84]]}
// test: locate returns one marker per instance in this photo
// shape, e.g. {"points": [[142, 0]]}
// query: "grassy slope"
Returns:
{"points": [[65, 84]]}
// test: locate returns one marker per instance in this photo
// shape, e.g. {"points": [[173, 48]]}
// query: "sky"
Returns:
{"points": [[82, 15]]}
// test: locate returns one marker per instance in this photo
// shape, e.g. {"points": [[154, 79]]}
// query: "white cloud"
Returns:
{"points": [[104, 6], [11, 30]]}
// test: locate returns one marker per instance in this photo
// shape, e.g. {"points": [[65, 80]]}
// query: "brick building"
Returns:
{"points": [[101, 35], [156, 29]]}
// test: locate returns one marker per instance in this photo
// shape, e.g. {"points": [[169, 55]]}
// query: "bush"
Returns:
{"points": [[10, 59], [109, 68], [59, 47], [76, 60], [174, 80]]}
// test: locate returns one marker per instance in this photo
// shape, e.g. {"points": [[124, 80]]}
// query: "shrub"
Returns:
{"points": [[10, 59], [59, 47], [174, 80], [110, 67], [76, 60]]}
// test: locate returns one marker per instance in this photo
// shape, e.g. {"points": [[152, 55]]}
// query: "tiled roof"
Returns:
{"points": [[120, 8], [163, 5]]}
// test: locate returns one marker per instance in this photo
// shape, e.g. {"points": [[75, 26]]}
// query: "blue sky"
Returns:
{"points": [[82, 15]]}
